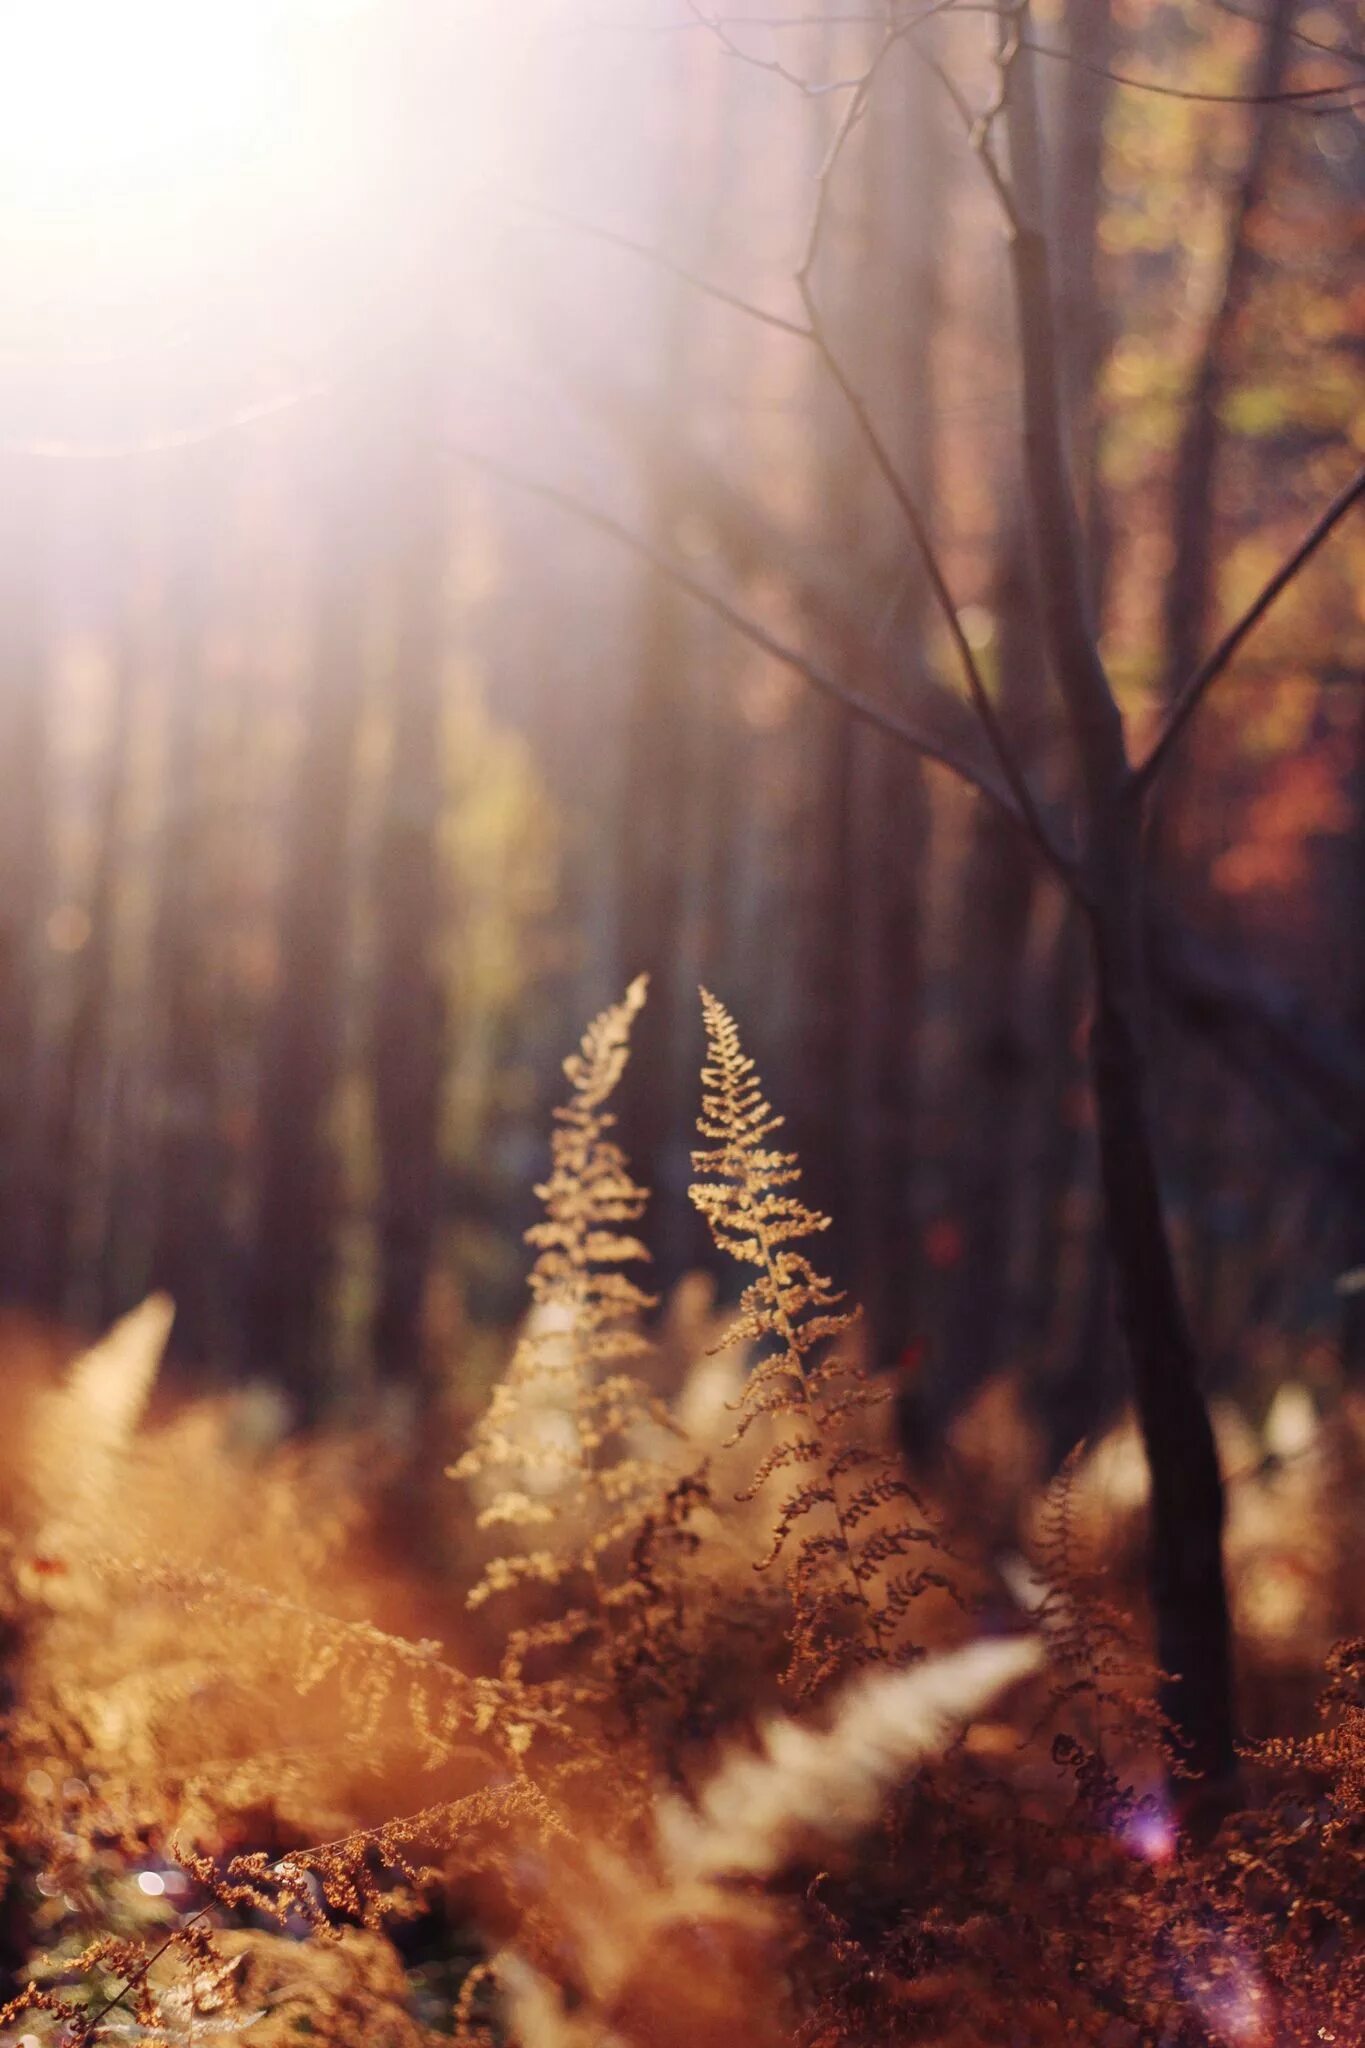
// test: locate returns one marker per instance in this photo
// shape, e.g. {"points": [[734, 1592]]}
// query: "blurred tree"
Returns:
{"points": [[297, 1169], [409, 1023], [187, 1195], [23, 864], [82, 1063]]}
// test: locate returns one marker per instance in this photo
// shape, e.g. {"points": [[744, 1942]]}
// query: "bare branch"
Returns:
{"points": [[976, 127], [976, 684], [1341, 51], [1209, 670], [809, 89], [751, 538], [1024, 802], [1302, 95], [1344, 93], [922, 741], [661, 261], [900, 490], [1199, 450]]}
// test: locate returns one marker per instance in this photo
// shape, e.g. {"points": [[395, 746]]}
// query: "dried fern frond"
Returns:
{"points": [[845, 1525], [1099, 1669], [178, 1986], [378, 1875], [571, 1449], [1333, 1754], [662, 1946], [812, 1785], [381, 1686]]}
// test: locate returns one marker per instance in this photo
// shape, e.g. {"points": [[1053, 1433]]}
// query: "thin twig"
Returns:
{"points": [[1286, 96], [1024, 806], [976, 684], [1196, 689], [1289, 95], [615, 240], [915, 520], [853, 701], [85, 2027], [1341, 51], [808, 88]]}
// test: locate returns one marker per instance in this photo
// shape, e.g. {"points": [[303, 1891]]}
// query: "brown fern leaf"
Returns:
{"points": [[1101, 1679], [846, 1522], [1333, 1756]]}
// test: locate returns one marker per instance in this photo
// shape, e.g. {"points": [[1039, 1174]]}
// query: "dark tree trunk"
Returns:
{"points": [[1186, 1518], [905, 191], [1000, 890], [1189, 1599], [1078, 197], [1079, 1347], [1352, 1280], [1201, 1108], [656, 795], [885, 1029], [409, 1025], [80, 1069], [23, 871], [186, 1223], [1190, 590], [297, 1189], [825, 1080]]}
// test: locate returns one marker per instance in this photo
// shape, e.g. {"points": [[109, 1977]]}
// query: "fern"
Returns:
{"points": [[843, 1878], [844, 1526], [1100, 1677], [572, 1437]]}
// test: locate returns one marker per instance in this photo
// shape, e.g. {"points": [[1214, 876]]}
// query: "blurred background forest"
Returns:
{"points": [[344, 775]]}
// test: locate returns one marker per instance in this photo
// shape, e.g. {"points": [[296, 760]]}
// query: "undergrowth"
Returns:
{"points": [[732, 1728]]}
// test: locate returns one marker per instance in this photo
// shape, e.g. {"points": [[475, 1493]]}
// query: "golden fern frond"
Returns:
{"points": [[843, 1526], [571, 1446]]}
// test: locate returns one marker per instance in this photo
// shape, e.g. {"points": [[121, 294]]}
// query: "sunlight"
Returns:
{"points": [[246, 169], [181, 179], [92, 93]]}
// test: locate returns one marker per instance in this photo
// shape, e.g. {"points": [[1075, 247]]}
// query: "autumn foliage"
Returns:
{"points": [[734, 1725]]}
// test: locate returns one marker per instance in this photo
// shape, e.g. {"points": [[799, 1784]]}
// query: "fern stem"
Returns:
{"points": [[787, 1332]]}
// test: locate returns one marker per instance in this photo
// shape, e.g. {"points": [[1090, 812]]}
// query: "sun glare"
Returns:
{"points": [[100, 92], [154, 149], [165, 162]]}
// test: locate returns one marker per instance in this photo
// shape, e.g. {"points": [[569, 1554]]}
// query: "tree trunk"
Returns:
{"points": [[1078, 199], [1189, 1599], [1186, 1518], [666, 738], [24, 861], [1190, 586], [185, 1255], [297, 1200], [1000, 889], [80, 1068], [410, 1005]]}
